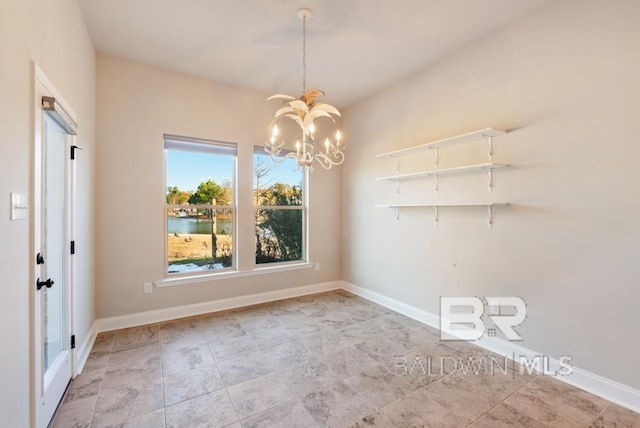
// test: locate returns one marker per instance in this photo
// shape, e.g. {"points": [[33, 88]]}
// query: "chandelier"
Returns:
{"points": [[304, 111]]}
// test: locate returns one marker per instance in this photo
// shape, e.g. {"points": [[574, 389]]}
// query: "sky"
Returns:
{"points": [[187, 170]]}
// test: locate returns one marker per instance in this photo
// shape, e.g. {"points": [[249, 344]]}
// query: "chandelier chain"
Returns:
{"points": [[304, 55]]}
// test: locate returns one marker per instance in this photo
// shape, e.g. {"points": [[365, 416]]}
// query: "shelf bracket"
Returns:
{"points": [[436, 182], [489, 140], [435, 155], [396, 210], [435, 213], [489, 172], [490, 215], [396, 162], [397, 187]]}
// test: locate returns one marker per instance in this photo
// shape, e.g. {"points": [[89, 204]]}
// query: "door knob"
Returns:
{"points": [[48, 283]]}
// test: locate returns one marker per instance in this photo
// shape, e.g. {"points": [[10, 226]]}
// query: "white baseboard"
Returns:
{"points": [[82, 353], [609, 390], [150, 317]]}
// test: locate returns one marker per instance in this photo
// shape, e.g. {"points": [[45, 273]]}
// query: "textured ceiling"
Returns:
{"points": [[355, 47]]}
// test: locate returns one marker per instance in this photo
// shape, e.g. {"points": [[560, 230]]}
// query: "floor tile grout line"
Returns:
{"points": [[500, 402], [606, 406], [95, 405]]}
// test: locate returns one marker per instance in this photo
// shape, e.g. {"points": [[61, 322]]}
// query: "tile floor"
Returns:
{"points": [[327, 360]]}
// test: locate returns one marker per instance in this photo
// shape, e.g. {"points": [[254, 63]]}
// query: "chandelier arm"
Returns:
{"points": [[277, 159]]}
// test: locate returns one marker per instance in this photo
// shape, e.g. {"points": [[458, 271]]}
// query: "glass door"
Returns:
{"points": [[52, 272]]}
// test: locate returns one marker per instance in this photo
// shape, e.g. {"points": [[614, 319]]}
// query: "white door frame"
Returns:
{"points": [[42, 411]]}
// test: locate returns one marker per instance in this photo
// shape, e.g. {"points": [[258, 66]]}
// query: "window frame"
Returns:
{"points": [[220, 147], [304, 207]]}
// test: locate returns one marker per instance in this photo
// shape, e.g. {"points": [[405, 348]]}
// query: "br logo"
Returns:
{"points": [[461, 317]]}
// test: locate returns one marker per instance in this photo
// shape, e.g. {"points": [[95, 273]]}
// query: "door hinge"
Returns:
{"points": [[73, 151], [73, 247], [73, 341]]}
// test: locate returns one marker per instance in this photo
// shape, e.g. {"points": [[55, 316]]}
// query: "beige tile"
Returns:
{"points": [[305, 378], [132, 366], [216, 329], [410, 322], [337, 405], [334, 318], [176, 328], [379, 386], [187, 339], [384, 349], [618, 417], [244, 367], [75, 414], [259, 394], [374, 420], [491, 376], [425, 364], [561, 398], [418, 409], [191, 383], [463, 398], [187, 358], [346, 362], [103, 342], [210, 410], [133, 356], [252, 316], [97, 361], [270, 334], [291, 414], [135, 336], [226, 348], [369, 328], [287, 354], [87, 384], [150, 420], [504, 416], [297, 323], [116, 406], [323, 342]]}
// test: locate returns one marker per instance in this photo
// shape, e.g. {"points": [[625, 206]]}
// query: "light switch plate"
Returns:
{"points": [[19, 206]]}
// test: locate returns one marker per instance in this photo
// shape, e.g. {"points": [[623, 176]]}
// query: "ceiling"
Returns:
{"points": [[354, 47]]}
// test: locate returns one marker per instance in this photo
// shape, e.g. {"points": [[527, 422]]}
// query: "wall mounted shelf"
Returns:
{"points": [[486, 134], [483, 134], [486, 167], [489, 206]]}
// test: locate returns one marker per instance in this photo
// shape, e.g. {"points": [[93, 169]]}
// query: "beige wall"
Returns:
{"points": [[565, 81], [136, 105], [51, 33]]}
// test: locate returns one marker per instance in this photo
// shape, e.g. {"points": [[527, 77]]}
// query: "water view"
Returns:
{"points": [[187, 225]]}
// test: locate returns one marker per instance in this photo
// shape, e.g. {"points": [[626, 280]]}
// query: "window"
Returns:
{"points": [[200, 204], [280, 212]]}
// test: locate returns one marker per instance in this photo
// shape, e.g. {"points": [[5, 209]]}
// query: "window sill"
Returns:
{"points": [[194, 279]]}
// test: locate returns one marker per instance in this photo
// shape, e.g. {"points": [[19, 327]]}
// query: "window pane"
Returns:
{"points": [[276, 184], [199, 174], [199, 178], [278, 235], [191, 245]]}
